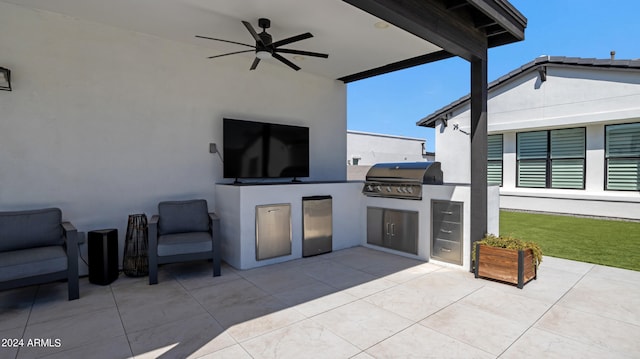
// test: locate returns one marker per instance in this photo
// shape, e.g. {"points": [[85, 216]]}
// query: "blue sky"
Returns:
{"points": [[392, 103]]}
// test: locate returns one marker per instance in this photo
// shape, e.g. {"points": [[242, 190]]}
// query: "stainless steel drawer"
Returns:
{"points": [[448, 251], [447, 230], [446, 211]]}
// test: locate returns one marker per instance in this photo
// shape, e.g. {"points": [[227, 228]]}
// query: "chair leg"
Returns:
{"points": [[153, 269], [216, 258], [74, 287], [216, 264]]}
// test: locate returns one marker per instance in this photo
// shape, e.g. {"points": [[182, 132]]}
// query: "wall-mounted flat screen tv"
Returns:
{"points": [[264, 150]]}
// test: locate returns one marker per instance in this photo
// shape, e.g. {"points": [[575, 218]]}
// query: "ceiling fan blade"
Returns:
{"points": [[292, 39], [300, 52], [231, 42], [253, 32], [255, 64], [231, 53], [286, 62]]}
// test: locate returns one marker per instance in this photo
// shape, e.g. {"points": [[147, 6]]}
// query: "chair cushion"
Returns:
{"points": [[183, 216], [29, 229], [31, 262], [184, 243]]}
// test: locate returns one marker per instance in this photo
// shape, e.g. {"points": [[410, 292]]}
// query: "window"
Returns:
{"points": [[551, 159], [494, 156], [622, 156], [532, 159]]}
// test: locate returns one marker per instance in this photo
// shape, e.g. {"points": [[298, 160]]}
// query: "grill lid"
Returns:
{"points": [[414, 172]]}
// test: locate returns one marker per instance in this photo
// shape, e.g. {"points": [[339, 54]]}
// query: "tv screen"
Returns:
{"points": [[264, 150]]}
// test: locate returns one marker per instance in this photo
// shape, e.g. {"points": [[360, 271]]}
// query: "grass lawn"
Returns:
{"points": [[611, 243]]}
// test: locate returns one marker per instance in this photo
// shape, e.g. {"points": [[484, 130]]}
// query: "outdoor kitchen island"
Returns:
{"points": [[239, 205]]}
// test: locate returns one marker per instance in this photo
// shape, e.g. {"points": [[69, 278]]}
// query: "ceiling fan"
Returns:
{"points": [[266, 48]]}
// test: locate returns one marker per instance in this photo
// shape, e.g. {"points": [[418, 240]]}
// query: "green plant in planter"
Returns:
{"points": [[509, 242]]}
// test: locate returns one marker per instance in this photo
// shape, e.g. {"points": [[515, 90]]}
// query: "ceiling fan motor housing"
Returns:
{"points": [[264, 23], [266, 39]]}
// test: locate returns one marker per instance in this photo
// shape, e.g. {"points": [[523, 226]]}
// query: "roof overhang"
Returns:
{"points": [[540, 65], [420, 31]]}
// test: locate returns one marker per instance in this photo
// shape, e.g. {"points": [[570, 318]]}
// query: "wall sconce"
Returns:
{"points": [[213, 148], [5, 79]]}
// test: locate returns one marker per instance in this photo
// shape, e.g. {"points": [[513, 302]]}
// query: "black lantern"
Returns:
{"points": [[5, 79]]}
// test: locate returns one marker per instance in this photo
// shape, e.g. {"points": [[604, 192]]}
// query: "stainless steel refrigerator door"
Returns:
{"points": [[273, 231], [317, 225]]}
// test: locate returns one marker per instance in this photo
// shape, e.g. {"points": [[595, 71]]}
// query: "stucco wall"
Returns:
{"points": [[372, 148], [569, 97], [104, 122]]}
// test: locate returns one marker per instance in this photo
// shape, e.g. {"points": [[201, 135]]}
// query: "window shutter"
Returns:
{"points": [[623, 174], [567, 143], [567, 158], [532, 173], [494, 155], [494, 151], [567, 174], [532, 145], [623, 140], [532, 159], [494, 173], [623, 157]]}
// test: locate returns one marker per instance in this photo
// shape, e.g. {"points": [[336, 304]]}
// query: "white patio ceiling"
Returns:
{"points": [[346, 33]]}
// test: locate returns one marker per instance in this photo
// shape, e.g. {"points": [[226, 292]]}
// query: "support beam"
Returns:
{"points": [[478, 149], [400, 65]]}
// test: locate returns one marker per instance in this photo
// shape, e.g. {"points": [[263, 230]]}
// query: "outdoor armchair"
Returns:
{"points": [[37, 247], [183, 231]]}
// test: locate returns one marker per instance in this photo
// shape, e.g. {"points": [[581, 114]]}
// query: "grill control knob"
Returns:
{"points": [[378, 188], [409, 189], [369, 188], [388, 188], [399, 189]]}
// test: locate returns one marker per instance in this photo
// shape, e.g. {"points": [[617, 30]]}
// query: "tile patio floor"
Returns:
{"points": [[355, 303]]}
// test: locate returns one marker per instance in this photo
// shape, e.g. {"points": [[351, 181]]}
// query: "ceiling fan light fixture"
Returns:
{"points": [[262, 54]]}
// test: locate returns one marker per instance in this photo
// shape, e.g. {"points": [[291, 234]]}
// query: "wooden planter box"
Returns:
{"points": [[506, 265]]}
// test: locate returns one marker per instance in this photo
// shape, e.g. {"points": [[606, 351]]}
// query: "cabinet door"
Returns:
{"points": [[401, 229], [273, 231], [375, 226]]}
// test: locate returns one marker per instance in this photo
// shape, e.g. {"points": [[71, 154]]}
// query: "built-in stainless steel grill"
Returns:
{"points": [[401, 180]]}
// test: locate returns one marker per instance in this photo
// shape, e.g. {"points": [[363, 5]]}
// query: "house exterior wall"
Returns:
{"points": [[372, 148], [570, 97], [104, 122]]}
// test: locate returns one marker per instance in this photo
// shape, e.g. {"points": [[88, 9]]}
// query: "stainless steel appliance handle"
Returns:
{"points": [[446, 249], [444, 231], [447, 212], [393, 229]]}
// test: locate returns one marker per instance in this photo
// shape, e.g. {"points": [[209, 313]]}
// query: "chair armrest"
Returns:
{"points": [[70, 234], [152, 249], [214, 226], [71, 240], [152, 227], [213, 217]]}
